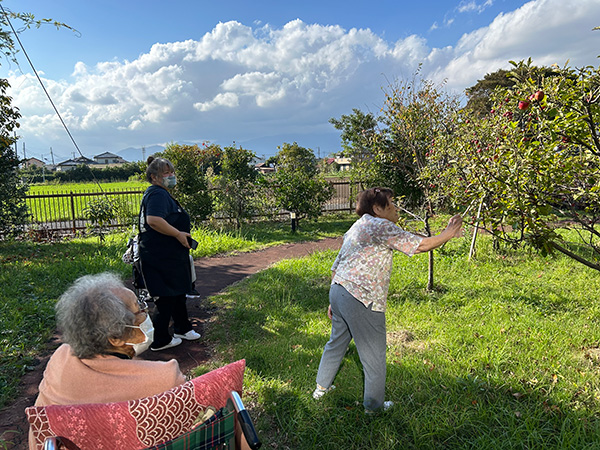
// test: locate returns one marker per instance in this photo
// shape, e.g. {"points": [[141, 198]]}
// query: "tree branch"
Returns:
{"points": [[577, 258]]}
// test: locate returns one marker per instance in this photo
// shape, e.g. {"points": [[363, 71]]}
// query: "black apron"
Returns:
{"points": [[165, 263]]}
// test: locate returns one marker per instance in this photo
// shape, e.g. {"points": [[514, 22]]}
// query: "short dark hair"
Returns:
{"points": [[379, 196]]}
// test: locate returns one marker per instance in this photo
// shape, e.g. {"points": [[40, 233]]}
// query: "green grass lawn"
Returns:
{"points": [[503, 355], [34, 275]]}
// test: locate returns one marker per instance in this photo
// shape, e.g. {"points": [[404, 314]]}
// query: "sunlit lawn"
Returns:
{"points": [[504, 354]]}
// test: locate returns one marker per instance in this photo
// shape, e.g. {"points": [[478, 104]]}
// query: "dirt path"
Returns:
{"points": [[213, 275]]}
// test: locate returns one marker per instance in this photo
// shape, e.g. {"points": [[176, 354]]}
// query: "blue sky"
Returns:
{"points": [[143, 73]]}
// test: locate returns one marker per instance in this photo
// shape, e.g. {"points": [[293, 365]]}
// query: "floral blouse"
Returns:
{"points": [[364, 264]]}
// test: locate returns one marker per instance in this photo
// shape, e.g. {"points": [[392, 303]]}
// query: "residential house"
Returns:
{"points": [[72, 163], [343, 163], [108, 159], [33, 162], [264, 168]]}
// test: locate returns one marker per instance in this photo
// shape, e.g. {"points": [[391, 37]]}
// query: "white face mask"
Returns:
{"points": [[148, 330], [170, 181]]}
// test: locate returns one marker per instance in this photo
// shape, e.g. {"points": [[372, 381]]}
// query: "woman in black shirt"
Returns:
{"points": [[164, 254]]}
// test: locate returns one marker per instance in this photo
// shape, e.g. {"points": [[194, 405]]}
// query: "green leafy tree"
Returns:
{"points": [[84, 172], [415, 114], [191, 165], [236, 188], [12, 189], [293, 158], [298, 186], [479, 95], [100, 212], [533, 162], [357, 132]]}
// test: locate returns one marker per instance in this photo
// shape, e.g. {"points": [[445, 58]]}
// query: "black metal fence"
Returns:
{"points": [[60, 212], [67, 212]]}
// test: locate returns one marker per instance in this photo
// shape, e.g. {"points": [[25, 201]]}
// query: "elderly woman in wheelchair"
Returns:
{"points": [[104, 327]]}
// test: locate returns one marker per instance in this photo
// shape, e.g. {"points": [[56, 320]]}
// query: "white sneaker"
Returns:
{"points": [[174, 343], [320, 392], [386, 405], [189, 336]]}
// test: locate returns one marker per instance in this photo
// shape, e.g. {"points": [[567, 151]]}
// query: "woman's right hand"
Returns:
{"points": [[451, 231], [454, 227]]}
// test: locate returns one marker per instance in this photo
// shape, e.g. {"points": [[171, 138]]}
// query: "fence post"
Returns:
{"points": [[73, 212]]}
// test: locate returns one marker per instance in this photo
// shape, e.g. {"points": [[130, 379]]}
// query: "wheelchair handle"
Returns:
{"points": [[245, 422]]}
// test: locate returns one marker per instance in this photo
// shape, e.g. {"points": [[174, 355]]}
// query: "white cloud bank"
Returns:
{"points": [[244, 84]]}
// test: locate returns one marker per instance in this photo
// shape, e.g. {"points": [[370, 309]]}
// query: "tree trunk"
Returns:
{"points": [[430, 256]]}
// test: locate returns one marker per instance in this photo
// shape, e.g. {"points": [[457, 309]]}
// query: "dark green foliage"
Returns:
{"points": [[479, 94], [192, 191], [298, 186], [89, 173], [357, 131], [236, 188], [12, 190]]}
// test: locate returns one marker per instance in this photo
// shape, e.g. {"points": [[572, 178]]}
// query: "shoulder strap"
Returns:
{"points": [[142, 215]]}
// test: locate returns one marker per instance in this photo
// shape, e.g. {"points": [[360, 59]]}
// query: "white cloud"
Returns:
{"points": [[466, 6], [237, 82], [228, 99], [548, 31]]}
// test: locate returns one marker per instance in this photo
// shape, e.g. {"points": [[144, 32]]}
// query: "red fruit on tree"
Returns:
{"points": [[523, 105], [539, 96]]}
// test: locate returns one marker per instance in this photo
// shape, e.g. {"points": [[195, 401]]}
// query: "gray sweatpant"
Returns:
{"points": [[352, 320]]}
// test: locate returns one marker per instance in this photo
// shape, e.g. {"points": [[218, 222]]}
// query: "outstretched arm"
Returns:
{"points": [[452, 230]]}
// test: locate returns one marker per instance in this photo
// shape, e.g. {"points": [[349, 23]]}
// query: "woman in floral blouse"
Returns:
{"points": [[359, 288]]}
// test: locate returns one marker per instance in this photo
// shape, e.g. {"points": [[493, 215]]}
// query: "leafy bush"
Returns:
{"points": [[191, 164], [298, 186], [100, 212]]}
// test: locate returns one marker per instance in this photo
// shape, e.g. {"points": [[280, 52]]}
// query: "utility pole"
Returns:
{"points": [[52, 155], [24, 154], [43, 169]]}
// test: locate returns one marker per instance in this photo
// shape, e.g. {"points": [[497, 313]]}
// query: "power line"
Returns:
{"points": [[46, 92]]}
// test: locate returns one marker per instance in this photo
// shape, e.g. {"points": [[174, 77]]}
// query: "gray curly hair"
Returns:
{"points": [[90, 312]]}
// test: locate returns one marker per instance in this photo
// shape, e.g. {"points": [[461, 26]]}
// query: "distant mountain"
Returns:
{"points": [[132, 154]]}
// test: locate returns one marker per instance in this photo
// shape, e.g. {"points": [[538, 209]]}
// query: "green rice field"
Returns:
{"points": [[85, 187], [67, 202]]}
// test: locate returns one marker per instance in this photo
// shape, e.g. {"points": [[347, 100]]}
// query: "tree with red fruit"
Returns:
{"points": [[416, 113], [535, 169]]}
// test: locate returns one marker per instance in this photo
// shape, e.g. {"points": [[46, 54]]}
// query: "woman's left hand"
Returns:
{"points": [[162, 226], [182, 237], [329, 313]]}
